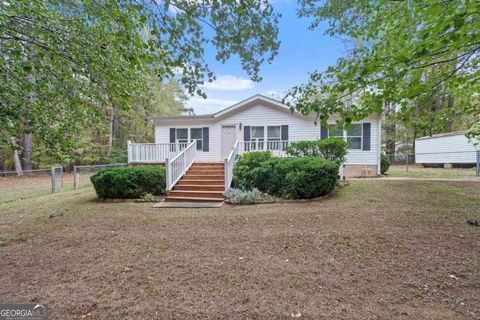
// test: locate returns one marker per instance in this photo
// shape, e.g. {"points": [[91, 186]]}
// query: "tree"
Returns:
{"points": [[90, 56], [410, 50]]}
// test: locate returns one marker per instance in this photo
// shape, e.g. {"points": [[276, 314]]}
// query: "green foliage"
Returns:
{"points": [[129, 182], [66, 64], [384, 163], [333, 149], [290, 178], [473, 134], [246, 168], [237, 196], [403, 53]]}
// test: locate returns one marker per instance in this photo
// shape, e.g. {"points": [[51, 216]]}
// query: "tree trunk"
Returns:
{"points": [[448, 124], [27, 151], [111, 135], [390, 128], [16, 157]]}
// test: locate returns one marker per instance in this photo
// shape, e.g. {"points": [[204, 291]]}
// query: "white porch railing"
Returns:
{"points": [[153, 152], [277, 148], [179, 165], [230, 164]]}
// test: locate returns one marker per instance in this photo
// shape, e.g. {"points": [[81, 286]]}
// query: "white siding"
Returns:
{"points": [[445, 149], [299, 128]]}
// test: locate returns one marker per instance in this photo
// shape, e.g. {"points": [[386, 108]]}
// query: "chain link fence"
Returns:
{"points": [[32, 183], [82, 174], [444, 165]]}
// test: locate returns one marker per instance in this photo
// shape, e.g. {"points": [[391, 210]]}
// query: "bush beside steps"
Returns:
{"points": [[129, 182], [287, 178]]}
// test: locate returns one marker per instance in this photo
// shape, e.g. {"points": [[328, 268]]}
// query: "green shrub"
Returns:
{"points": [[291, 178], [129, 182], [384, 164], [333, 149], [246, 168]]}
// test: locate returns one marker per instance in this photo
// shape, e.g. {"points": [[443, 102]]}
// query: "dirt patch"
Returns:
{"points": [[376, 250]]}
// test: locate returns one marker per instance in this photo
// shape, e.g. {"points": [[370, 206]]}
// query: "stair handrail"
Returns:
{"points": [[229, 164], [178, 166]]}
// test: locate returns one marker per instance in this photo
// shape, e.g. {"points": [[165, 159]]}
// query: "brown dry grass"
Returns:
{"points": [[376, 250]]}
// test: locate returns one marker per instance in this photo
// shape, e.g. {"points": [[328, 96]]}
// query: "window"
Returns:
{"points": [[335, 131], [257, 133], [274, 133], [197, 134], [354, 136], [182, 135]]}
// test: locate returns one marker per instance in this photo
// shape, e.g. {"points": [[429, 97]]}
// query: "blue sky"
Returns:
{"points": [[301, 51]]}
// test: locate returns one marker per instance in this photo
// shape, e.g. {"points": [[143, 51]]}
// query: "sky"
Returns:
{"points": [[301, 51]]}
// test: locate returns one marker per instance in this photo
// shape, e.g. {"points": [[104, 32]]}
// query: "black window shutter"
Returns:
{"points": [[206, 138], [172, 135], [366, 136], [246, 133], [285, 132], [323, 132]]}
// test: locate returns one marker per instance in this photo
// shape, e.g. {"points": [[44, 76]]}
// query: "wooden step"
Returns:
{"points": [[205, 171], [196, 187], [190, 176], [200, 182], [192, 199], [196, 194], [208, 164]]}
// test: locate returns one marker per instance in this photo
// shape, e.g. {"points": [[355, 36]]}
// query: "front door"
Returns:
{"points": [[229, 136]]}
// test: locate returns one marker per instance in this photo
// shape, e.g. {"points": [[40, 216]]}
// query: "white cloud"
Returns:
{"points": [[229, 82], [209, 105]]}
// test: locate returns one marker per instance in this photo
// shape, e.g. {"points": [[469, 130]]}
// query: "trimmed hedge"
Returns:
{"points": [[289, 178], [129, 182], [384, 163]]}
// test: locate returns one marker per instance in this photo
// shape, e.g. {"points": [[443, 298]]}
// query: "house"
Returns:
{"points": [[446, 149], [257, 123]]}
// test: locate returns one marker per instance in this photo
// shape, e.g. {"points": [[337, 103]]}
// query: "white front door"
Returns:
{"points": [[229, 136]]}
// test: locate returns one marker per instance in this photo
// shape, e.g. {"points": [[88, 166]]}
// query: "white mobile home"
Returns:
{"points": [[447, 148], [257, 123]]}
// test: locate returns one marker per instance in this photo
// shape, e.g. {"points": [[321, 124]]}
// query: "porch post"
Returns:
{"points": [[167, 175]]}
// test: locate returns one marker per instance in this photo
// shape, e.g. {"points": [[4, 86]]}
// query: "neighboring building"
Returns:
{"points": [[446, 148], [260, 123]]}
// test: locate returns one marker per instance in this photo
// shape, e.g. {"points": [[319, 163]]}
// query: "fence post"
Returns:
{"points": [[406, 162], [75, 178], [61, 178], [53, 179], [478, 163]]}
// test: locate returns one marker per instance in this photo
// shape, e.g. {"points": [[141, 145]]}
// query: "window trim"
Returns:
{"points": [[257, 139], [191, 139], [279, 131], [177, 140], [345, 135]]}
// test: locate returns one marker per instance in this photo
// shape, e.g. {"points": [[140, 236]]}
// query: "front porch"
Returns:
{"points": [[151, 153]]}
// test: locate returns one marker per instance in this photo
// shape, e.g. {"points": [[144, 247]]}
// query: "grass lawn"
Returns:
{"points": [[376, 250], [420, 172]]}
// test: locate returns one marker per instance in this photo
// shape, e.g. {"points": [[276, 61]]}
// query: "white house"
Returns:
{"points": [[446, 148], [257, 123]]}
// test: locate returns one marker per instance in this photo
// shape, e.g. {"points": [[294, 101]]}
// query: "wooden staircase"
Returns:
{"points": [[203, 182]]}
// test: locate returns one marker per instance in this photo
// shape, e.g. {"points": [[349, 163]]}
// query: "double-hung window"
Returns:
{"points": [[257, 136], [182, 135], [196, 134], [274, 135], [352, 135]]}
